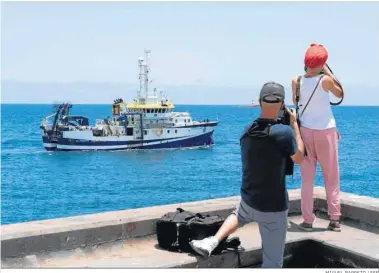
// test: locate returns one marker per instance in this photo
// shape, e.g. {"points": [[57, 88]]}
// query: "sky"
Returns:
{"points": [[201, 52]]}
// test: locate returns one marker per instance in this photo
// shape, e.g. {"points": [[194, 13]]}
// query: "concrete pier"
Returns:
{"points": [[126, 239]]}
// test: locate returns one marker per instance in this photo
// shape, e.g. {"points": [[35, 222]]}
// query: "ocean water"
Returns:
{"points": [[36, 184]]}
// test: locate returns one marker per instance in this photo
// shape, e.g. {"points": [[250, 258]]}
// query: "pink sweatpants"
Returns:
{"points": [[322, 147]]}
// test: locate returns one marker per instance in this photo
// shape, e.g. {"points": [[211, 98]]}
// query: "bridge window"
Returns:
{"points": [[176, 131], [176, 121], [145, 132], [168, 131]]}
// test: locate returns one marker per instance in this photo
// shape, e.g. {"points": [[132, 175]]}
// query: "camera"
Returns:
{"points": [[284, 118]]}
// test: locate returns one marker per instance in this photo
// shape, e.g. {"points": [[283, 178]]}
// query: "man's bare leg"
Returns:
{"points": [[228, 227], [206, 246]]}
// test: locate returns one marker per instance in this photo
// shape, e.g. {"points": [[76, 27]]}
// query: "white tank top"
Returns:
{"points": [[318, 115]]}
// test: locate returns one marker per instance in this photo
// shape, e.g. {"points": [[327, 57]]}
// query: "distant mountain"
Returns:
{"points": [[105, 93]]}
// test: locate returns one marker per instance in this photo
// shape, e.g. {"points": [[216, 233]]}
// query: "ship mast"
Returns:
{"points": [[143, 75], [146, 66], [140, 76]]}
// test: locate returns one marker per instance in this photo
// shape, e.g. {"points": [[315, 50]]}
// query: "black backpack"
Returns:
{"points": [[176, 229]]}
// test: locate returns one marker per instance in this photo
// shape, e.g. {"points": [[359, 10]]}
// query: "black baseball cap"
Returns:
{"points": [[272, 92]]}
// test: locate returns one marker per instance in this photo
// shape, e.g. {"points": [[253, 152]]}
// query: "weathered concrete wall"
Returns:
{"points": [[74, 232], [363, 209]]}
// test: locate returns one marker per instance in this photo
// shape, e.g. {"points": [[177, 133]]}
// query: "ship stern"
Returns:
{"points": [[48, 143]]}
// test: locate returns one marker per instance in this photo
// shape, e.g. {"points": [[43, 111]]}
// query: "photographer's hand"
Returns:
{"points": [[298, 157], [292, 114]]}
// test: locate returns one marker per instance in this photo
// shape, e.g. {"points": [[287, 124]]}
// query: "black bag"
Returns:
{"points": [[170, 228], [176, 229]]}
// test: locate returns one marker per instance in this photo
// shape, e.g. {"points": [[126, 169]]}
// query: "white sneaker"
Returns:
{"points": [[204, 247]]}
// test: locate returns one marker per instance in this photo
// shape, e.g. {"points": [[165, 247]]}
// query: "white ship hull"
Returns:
{"points": [[200, 135]]}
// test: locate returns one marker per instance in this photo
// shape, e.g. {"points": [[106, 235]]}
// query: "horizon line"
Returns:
{"points": [[32, 103], [214, 85]]}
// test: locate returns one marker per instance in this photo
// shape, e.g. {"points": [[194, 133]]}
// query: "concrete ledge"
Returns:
{"points": [[23, 239], [363, 209], [144, 252], [72, 232]]}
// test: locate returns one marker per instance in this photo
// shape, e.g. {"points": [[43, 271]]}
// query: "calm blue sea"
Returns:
{"points": [[39, 185]]}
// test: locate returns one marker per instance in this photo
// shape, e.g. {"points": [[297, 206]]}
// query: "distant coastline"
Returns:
{"points": [[16, 92], [177, 104]]}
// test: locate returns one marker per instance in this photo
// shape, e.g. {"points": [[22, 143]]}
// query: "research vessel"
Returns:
{"points": [[147, 122]]}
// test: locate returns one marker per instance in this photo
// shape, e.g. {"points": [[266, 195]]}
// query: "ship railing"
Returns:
{"points": [[78, 128], [100, 122], [158, 126], [183, 114], [199, 122]]}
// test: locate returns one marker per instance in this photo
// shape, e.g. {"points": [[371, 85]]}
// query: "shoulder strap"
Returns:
{"points": [[298, 89], [314, 90], [297, 95], [253, 132]]}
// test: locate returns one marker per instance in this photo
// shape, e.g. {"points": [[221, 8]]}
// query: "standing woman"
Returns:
{"points": [[319, 133]]}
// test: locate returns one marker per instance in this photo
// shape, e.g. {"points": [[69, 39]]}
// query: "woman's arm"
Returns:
{"points": [[330, 84]]}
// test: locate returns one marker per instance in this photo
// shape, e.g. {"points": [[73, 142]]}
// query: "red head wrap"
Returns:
{"points": [[316, 55]]}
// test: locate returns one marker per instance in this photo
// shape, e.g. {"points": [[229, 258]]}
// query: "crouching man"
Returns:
{"points": [[265, 146]]}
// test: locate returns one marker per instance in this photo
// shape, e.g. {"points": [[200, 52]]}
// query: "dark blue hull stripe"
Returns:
{"points": [[208, 124], [202, 140]]}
